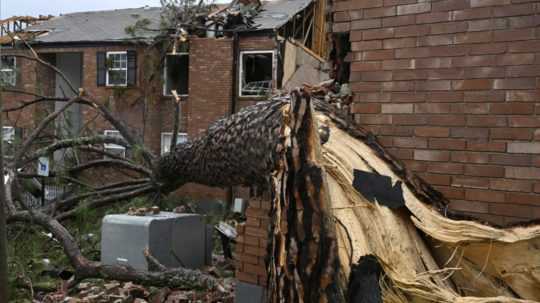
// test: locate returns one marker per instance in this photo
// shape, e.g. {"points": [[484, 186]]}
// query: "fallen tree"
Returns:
{"points": [[331, 238]]}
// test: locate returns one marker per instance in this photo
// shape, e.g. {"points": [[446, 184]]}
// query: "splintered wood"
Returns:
{"points": [[459, 258], [330, 226]]}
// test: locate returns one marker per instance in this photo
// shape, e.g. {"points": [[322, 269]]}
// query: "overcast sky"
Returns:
{"points": [[44, 7]]}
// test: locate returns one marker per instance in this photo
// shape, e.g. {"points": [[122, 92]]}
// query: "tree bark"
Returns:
{"points": [[237, 150], [321, 225], [304, 264]]}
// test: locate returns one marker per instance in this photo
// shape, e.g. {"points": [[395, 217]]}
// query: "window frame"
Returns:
{"points": [[10, 70], [241, 69], [12, 134], [106, 146], [108, 69], [165, 74], [163, 134]]}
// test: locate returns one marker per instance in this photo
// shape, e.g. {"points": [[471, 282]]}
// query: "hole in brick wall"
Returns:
{"points": [[176, 72], [341, 46]]}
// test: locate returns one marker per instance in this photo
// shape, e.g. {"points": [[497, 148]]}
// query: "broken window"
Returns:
{"points": [[112, 148], [256, 73], [8, 74], [176, 74], [116, 68], [166, 141]]}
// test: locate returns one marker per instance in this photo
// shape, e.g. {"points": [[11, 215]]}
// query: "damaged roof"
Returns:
{"points": [[98, 26], [110, 26], [274, 14]]}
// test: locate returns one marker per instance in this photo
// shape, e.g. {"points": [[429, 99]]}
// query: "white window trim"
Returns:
{"points": [[11, 70], [111, 132], [240, 72], [170, 134], [109, 68], [12, 133], [165, 74]]}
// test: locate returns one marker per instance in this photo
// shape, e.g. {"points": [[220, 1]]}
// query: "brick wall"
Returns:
{"points": [[451, 88], [30, 77], [210, 82], [251, 243]]}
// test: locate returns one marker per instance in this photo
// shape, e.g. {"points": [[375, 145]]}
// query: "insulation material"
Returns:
{"points": [[289, 63], [302, 66]]}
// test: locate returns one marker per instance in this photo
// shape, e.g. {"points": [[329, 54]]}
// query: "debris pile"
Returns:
{"points": [[143, 211], [331, 91], [238, 15], [116, 292]]}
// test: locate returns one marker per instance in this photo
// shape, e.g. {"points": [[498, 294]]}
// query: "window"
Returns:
{"points": [[176, 74], [8, 74], [256, 72], [112, 148], [8, 134], [117, 69], [166, 141]]}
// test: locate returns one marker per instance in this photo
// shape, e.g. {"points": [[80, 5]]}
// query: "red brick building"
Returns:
{"points": [[451, 88], [215, 75]]}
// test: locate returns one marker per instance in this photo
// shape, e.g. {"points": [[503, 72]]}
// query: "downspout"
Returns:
{"points": [[236, 53], [234, 97]]}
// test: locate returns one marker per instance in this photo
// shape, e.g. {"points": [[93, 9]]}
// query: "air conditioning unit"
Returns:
{"points": [[173, 239]]}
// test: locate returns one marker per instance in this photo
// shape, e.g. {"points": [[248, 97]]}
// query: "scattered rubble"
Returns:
{"points": [[238, 15], [339, 95], [143, 211], [116, 292]]}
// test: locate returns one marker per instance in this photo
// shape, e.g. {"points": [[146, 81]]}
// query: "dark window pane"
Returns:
{"points": [[117, 77], [256, 74], [177, 74], [8, 74]]}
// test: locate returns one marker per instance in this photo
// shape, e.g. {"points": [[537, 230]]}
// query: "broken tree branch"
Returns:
{"points": [[176, 124], [81, 141], [72, 201], [85, 269], [109, 163], [107, 200], [23, 149]]}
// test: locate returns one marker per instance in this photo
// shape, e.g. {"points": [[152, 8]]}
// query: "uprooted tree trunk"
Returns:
{"points": [[327, 238], [329, 241]]}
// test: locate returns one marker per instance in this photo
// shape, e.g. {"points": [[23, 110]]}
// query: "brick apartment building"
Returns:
{"points": [[215, 75], [451, 88]]}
